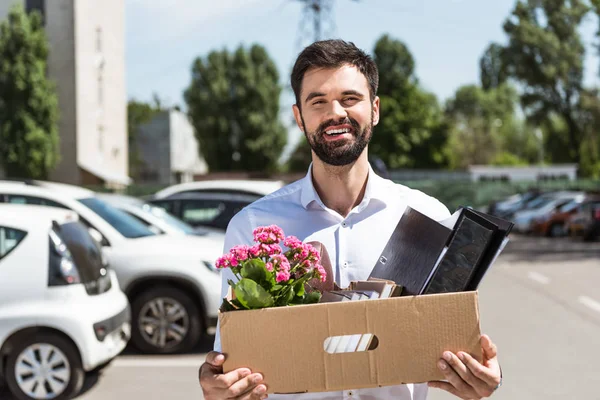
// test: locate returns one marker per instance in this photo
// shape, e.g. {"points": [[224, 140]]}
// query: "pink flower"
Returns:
{"points": [[281, 263], [322, 273], [292, 242], [304, 253], [282, 276], [223, 261], [240, 252], [255, 251], [268, 234], [269, 266]]}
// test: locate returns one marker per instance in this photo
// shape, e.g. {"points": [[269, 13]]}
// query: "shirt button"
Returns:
{"points": [[346, 264], [344, 223]]}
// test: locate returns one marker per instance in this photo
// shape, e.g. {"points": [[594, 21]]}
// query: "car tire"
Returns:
{"points": [[67, 373], [555, 230], [147, 322]]}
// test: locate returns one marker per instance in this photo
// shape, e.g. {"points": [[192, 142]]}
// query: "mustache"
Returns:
{"points": [[345, 121]]}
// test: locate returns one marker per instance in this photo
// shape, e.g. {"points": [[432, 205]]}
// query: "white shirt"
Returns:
{"points": [[354, 244]]}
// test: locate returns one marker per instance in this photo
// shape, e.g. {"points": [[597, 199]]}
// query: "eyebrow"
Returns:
{"points": [[312, 95]]}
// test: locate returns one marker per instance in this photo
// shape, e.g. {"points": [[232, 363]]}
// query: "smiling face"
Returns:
{"points": [[336, 113]]}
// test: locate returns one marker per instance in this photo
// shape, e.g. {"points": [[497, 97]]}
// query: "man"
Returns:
{"points": [[343, 204]]}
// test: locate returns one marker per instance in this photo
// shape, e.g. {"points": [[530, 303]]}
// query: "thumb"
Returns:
{"points": [[215, 361], [489, 348]]}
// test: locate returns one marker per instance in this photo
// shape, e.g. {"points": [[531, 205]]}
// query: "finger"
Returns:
{"points": [[225, 381], [259, 392], [445, 386], [461, 369], [489, 348], [455, 380], [241, 386], [488, 376]]}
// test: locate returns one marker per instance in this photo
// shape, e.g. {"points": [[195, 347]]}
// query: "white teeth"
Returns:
{"points": [[337, 131]]}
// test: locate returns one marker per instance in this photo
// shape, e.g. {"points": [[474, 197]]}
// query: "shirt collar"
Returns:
{"points": [[375, 189]]}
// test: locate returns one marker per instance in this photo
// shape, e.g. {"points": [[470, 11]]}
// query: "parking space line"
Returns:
{"points": [[539, 278], [590, 303], [151, 362]]}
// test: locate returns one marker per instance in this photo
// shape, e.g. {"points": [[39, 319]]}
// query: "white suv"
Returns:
{"points": [[239, 186], [61, 309], [170, 280]]}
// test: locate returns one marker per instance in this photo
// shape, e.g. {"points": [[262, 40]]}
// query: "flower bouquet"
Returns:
{"points": [[269, 276]]}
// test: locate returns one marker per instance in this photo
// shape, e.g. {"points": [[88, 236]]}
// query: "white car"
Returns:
{"points": [[255, 187], [170, 280], [61, 310], [156, 218]]}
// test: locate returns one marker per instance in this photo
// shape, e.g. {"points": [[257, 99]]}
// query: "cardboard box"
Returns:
{"points": [[285, 344]]}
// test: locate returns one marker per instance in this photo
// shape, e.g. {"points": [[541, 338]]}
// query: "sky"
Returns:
{"points": [[446, 38]]}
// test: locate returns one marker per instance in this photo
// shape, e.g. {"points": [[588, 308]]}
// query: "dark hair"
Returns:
{"points": [[334, 54]]}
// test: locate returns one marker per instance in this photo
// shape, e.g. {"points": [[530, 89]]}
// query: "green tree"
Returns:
{"points": [[411, 132], [545, 55], [29, 143], [492, 67], [589, 165], [485, 128], [233, 103]]}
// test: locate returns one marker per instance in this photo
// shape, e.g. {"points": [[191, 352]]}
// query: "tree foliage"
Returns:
{"points": [[411, 132], [233, 103], [545, 55], [29, 142]]}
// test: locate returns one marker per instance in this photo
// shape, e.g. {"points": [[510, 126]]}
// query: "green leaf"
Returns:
{"points": [[251, 295], [277, 287], [255, 269], [312, 297], [299, 288]]}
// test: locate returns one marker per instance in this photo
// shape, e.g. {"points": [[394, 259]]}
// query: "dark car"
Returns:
{"points": [[213, 210]]}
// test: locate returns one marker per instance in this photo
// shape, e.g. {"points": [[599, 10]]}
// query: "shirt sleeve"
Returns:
{"points": [[239, 231]]}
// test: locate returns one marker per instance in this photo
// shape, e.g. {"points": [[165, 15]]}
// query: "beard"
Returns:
{"points": [[340, 152]]}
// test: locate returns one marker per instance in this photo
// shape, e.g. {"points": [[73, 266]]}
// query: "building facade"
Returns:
{"points": [[87, 64], [167, 150]]}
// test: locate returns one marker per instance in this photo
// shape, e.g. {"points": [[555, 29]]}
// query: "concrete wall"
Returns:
{"points": [[185, 155], [531, 173], [101, 94], [154, 151]]}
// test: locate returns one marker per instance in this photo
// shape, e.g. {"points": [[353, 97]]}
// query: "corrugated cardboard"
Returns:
{"points": [[285, 344]]}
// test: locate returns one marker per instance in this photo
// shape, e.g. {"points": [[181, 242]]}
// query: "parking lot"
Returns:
{"points": [[539, 303]]}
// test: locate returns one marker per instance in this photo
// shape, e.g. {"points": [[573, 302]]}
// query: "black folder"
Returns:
{"points": [[426, 256], [412, 251]]}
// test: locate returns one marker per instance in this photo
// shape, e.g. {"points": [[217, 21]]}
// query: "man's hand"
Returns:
{"points": [[467, 378], [239, 384]]}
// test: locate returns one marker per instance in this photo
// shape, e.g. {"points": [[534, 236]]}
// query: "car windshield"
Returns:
{"points": [[169, 219], [569, 206], [125, 224]]}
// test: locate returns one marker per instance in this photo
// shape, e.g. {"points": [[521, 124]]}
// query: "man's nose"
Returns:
{"points": [[337, 111]]}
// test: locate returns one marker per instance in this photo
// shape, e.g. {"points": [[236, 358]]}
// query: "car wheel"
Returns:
{"points": [[44, 366], [556, 230], [165, 320]]}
